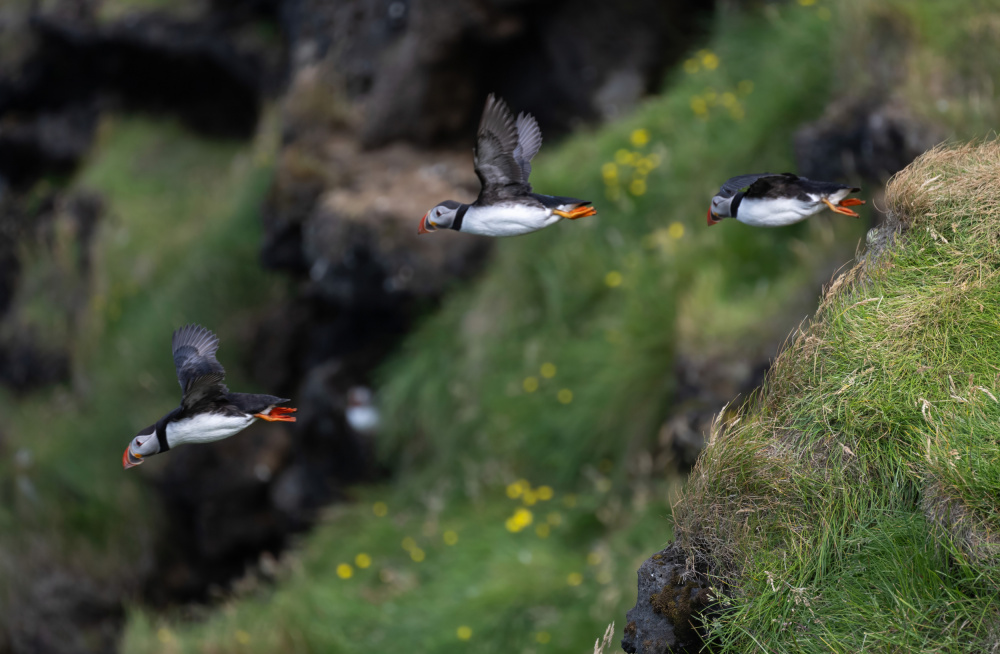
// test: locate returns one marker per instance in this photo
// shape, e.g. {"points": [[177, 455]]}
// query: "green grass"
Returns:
{"points": [[503, 590], [609, 301], [853, 506], [178, 243]]}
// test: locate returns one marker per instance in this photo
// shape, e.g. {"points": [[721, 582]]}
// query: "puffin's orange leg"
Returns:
{"points": [[277, 414], [850, 202], [579, 212], [839, 209]]}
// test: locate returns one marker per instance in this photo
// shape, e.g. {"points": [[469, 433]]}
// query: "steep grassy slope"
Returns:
{"points": [[853, 507]]}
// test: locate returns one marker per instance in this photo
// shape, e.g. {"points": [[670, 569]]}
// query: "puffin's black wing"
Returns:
{"points": [[785, 185], [734, 185], [199, 373], [496, 167], [529, 142]]}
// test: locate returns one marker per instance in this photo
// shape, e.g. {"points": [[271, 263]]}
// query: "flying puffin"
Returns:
{"points": [[768, 200], [208, 411], [505, 206]]}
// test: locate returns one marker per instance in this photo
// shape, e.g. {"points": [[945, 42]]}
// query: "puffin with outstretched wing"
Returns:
{"points": [[208, 411], [769, 200], [506, 205]]}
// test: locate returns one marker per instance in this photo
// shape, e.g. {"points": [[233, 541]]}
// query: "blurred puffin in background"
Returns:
{"points": [[769, 200], [208, 411], [506, 205]]}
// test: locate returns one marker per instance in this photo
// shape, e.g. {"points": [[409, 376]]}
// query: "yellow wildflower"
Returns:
{"points": [[691, 66], [609, 171], [675, 231], [409, 544], [545, 493], [613, 279], [594, 558], [565, 396], [637, 187], [463, 633], [242, 637], [362, 560], [345, 571], [450, 537], [380, 509], [530, 384], [417, 554], [543, 637], [699, 106], [574, 579], [548, 370], [542, 531], [640, 137], [623, 157], [709, 60]]}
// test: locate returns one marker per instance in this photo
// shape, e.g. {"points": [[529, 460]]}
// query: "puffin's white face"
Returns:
{"points": [[719, 209], [440, 217], [143, 445]]}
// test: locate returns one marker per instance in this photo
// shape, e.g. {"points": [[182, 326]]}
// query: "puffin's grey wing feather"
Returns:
{"points": [[734, 185], [494, 156], [529, 142], [198, 372]]}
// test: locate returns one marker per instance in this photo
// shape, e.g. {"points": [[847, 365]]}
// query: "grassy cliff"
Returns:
{"points": [[853, 505]]}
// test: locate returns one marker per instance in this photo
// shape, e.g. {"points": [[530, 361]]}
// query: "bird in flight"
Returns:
{"points": [[769, 200], [506, 205], [208, 411]]}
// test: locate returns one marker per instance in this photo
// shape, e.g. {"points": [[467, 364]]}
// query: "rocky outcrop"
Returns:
{"points": [[673, 601]]}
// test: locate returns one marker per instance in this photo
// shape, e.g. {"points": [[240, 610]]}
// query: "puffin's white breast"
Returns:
{"points": [[205, 428], [776, 212], [511, 219]]}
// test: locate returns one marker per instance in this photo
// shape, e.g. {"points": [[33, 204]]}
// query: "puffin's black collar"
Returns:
{"points": [[161, 435], [735, 204], [457, 223]]}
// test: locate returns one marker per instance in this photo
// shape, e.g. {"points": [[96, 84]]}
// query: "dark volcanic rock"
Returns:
{"points": [[669, 608], [423, 67], [862, 139], [65, 614]]}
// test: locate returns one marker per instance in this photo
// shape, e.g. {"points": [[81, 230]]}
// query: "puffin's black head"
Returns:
{"points": [[720, 208], [440, 217], [143, 445]]}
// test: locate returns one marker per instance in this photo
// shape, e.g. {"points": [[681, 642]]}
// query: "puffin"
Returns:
{"points": [[506, 205], [769, 200], [208, 411]]}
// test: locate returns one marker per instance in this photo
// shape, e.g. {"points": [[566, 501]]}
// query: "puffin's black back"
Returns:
{"points": [[253, 402]]}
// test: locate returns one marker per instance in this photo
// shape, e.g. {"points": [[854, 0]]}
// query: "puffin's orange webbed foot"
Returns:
{"points": [[850, 202], [277, 414], [579, 212], [841, 209]]}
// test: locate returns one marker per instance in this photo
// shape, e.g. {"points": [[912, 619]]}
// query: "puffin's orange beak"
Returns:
{"points": [[423, 225], [129, 460], [712, 218]]}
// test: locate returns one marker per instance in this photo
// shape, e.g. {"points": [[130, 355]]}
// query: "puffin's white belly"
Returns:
{"points": [[776, 212], [205, 428], [507, 219]]}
